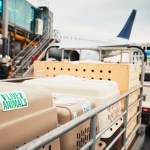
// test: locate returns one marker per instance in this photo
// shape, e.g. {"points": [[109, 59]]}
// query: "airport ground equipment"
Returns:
{"points": [[130, 82], [26, 113], [45, 139], [146, 105], [146, 102], [129, 127]]}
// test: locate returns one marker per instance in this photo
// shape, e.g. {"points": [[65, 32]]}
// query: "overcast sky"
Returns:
{"points": [[101, 17]]}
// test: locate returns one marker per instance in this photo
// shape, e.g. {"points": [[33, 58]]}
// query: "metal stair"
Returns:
{"points": [[23, 63]]}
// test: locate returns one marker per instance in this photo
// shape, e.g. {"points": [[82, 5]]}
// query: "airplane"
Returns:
{"points": [[70, 41]]}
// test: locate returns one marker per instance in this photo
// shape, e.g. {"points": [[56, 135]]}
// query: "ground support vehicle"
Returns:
{"points": [[146, 105], [131, 98]]}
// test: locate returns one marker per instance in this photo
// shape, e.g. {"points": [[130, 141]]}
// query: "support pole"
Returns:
{"points": [[5, 28]]}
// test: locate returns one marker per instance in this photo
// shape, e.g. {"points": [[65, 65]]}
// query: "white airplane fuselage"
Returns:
{"points": [[71, 41]]}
